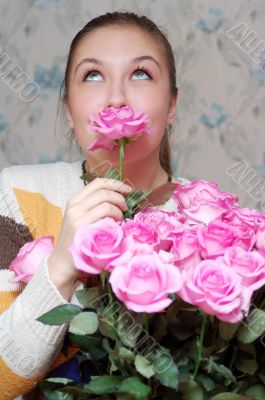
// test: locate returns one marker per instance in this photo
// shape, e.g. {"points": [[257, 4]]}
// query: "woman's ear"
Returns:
{"points": [[68, 113], [172, 109]]}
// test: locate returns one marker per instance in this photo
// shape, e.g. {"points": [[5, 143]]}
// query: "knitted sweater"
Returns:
{"points": [[32, 203]]}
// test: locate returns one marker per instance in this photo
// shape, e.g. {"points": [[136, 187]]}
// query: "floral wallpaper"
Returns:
{"points": [[219, 48]]}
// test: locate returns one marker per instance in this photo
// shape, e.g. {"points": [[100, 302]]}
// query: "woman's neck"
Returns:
{"points": [[141, 174]]}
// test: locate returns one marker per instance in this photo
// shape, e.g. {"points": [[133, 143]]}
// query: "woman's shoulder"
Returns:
{"points": [[179, 179], [35, 176], [35, 170], [170, 204]]}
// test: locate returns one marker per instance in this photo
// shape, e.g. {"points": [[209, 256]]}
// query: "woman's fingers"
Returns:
{"points": [[100, 183], [97, 198], [100, 211]]}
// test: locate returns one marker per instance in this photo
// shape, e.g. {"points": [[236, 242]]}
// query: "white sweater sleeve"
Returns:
{"points": [[26, 345]]}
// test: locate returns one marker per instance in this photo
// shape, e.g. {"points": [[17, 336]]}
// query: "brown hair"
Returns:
{"points": [[144, 23]]}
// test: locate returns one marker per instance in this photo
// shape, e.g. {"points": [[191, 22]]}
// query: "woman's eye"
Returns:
{"points": [[96, 75], [93, 75], [142, 74]]}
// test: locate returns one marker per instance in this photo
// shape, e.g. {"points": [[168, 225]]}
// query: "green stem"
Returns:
{"points": [[112, 317], [262, 304], [200, 349], [121, 158], [146, 326], [233, 358], [103, 278]]}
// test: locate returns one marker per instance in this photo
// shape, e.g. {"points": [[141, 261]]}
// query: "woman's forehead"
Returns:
{"points": [[116, 40]]}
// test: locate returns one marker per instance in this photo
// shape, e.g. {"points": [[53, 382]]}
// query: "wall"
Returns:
{"points": [[220, 117]]}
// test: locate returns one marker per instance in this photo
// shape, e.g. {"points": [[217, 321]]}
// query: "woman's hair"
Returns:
{"points": [[124, 18]]}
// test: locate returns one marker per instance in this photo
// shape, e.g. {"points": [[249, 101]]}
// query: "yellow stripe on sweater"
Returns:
{"points": [[18, 383], [6, 299], [42, 217]]}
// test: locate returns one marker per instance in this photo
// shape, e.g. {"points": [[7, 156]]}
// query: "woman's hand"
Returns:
{"points": [[101, 198]]}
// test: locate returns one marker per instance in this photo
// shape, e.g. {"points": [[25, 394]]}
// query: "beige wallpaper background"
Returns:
{"points": [[220, 56]]}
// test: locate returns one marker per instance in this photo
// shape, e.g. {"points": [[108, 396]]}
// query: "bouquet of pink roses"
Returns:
{"points": [[179, 308]]}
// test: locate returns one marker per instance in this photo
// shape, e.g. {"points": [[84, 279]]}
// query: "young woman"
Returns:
{"points": [[117, 59]]}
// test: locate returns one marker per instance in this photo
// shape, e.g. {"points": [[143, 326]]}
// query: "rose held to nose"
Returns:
{"points": [[117, 123]]}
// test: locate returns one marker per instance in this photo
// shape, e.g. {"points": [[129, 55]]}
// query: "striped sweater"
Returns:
{"points": [[32, 203]]}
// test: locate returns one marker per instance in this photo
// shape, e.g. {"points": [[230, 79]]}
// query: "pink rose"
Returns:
{"points": [[236, 215], [140, 232], [250, 265], [215, 238], [162, 223], [246, 237], [260, 236], [186, 247], [96, 245], [29, 257], [117, 123], [202, 201], [159, 220], [144, 284], [131, 249], [217, 290]]}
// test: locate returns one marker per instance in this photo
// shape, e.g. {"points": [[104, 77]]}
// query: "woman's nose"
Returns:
{"points": [[117, 97]]}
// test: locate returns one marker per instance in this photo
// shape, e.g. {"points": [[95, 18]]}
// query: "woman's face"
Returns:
{"points": [[116, 66]]}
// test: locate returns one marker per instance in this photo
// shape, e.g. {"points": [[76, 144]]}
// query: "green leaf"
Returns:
{"points": [[128, 327], [134, 200], [92, 345], [113, 174], [106, 329], [252, 327], [160, 195], [206, 382], [169, 375], [51, 388], [125, 354], [77, 392], [57, 395], [221, 370], [85, 323], [53, 383], [144, 367], [257, 391], [113, 357], [183, 324], [229, 396], [247, 366], [104, 384], [88, 297], [191, 391], [60, 314], [248, 348], [135, 388], [262, 377], [226, 330]]}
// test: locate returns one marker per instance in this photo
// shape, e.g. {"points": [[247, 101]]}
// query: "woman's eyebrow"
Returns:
{"points": [[134, 60]]}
